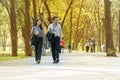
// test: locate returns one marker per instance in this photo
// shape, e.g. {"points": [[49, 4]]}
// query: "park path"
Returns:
{"points": [[73, 66]]}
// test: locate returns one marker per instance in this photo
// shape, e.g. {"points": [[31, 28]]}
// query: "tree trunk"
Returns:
{"points": [[34, 9], [28, 51], [70, 27], [103, 33], [83, 40], [79, 37], [108, 30], [66, 13], [119, 30], [4, 39], [76, 35], [13, 28], [99, 39], [98, 21], [48, 10]]}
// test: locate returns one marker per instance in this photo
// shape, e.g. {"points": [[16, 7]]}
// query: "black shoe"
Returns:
{"points": [[38, 61], [57, 61]]}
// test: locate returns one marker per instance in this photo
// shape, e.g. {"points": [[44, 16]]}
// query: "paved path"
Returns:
{"points": [[74, 66]]}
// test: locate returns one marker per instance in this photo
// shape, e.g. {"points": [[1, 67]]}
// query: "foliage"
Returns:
{"points": [[87, 19]]}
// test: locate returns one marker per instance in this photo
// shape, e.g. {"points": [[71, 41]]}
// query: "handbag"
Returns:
{"points": [[33, 39]]}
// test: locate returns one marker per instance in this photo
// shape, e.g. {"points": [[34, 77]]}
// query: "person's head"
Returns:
{"points": [[55, 19], [38, 22]]}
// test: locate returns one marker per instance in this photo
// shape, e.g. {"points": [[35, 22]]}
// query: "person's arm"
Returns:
{"points": [[31, 31], [49, 28]]}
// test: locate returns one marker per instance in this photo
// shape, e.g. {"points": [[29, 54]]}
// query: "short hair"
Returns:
{"points": [[54, 17]]}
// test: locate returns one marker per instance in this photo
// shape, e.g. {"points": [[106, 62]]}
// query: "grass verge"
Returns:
{"points": [[6, 56]]}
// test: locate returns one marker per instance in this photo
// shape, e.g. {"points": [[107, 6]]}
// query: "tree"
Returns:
{"points": [[108, 29], [3, 38], [26, 28], [13, 28], [70, 36], [85, 20], [34, 8], [119, 30], [50, 14], [77, 30], [10, 7], [71, 2], [98, 22], [48, 10], [4, 28]]}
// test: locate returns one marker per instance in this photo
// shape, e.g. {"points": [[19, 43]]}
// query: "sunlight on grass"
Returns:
{"points": [[21, 55]]}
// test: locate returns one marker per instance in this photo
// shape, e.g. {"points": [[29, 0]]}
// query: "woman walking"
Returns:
{"points": [[37, 30]]}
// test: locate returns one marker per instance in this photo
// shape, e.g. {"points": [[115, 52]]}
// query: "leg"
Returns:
{"points": [[40, 47], [53, 51], [57, 45], [87, 48], [36, 49], [63, 49], [94, 48]]}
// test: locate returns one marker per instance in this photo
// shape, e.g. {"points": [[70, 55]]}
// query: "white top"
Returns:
{"points": [[56, 29]]}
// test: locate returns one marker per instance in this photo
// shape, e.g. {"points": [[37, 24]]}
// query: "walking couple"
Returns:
{"points": [[37, 38]]}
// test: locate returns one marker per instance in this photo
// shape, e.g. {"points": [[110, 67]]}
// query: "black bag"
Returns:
{"points": [[33, 39], [50, 36]]}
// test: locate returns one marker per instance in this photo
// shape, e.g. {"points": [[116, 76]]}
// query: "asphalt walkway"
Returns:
{"points": [[74, 66]]}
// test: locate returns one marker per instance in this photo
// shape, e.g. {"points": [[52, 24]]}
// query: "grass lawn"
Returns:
{"points": [[21, 55]]}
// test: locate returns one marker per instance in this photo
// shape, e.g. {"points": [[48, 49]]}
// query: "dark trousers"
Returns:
{"points": [[94, 48], [60, 48], [38, 48], [87, 48], [55, 45]]}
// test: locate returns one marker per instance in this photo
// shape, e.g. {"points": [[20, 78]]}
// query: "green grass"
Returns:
{"points": [[21, 55]]}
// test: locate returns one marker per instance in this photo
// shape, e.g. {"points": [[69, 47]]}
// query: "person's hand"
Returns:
{"points": [[54, 32], [36, 33]]}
